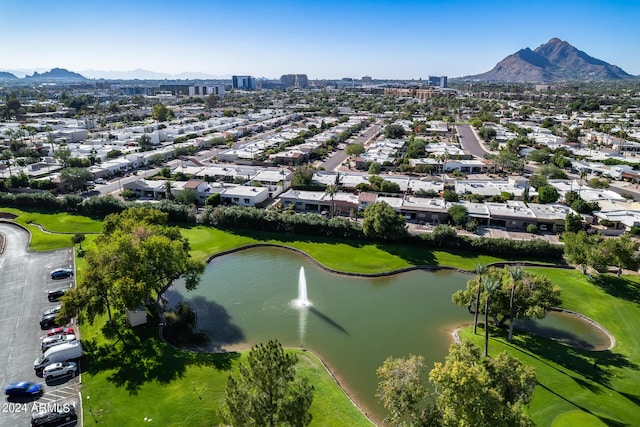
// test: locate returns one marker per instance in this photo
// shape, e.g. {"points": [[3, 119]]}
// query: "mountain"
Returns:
{"points": [[551, 62], [140, 74], [57, 74], [7, 76]]}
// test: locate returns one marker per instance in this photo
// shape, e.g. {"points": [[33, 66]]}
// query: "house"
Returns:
{"points": [[245, 196]]}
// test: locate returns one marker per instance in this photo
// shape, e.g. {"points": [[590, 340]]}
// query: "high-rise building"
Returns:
{"points": [[438, 81], [295, 80], [217, 90], [366, 79], [243, 82]]}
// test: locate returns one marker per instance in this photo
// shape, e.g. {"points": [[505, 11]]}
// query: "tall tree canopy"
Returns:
{"points": [[491, 392], [383, 222], [469, 391], [534, 295], [137, 255], [267, 391], [401, 389]]}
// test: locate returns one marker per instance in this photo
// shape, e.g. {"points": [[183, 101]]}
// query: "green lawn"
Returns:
{"points": [[55, 223], [571, 390], [150, 379], [141, 377]]}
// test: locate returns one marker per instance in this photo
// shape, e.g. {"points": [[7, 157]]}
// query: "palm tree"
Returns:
{"points": [[167, 188], [583, 175], [490, 285], [480, 268], [516, 273], [7, 155], [331, 191]]}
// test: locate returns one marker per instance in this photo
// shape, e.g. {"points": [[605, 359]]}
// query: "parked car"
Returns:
{"points": [[49, 317], [60, 331], [24, 388], [57, 416], [55, 294], [100, 181], [60, 369], [61, 273], [54, 340], [59, 353]]}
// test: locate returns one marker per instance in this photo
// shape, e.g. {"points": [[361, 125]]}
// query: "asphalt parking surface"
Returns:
{"points": [[24, 280]]}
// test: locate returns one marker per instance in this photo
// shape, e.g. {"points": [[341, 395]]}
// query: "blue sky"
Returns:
{"points": [[401, 39]]}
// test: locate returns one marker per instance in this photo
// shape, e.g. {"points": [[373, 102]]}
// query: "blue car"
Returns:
{"points": [[24, 388]]}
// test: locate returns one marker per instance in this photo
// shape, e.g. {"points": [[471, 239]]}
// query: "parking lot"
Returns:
{"points": [[24, 281]]}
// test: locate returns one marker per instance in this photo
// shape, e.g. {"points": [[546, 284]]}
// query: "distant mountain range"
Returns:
{"points": [[7, 76], [553, 61], [57, 74]]}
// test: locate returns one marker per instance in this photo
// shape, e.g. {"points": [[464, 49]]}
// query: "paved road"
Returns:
{"points": [[24, 279], [339, 156], [469, 141]]}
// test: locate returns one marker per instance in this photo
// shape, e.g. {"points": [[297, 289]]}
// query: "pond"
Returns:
{"points": [[352, 323], [568, 328]]}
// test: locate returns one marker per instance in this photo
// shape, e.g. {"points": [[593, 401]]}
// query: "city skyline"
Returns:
{"points": [[403, 39]]}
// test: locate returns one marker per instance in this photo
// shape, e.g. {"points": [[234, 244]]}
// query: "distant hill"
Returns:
{"points": [[551, 62], [7, 76], [57, 74]]}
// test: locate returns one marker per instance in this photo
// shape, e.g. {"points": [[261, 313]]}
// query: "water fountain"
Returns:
{"points": [[302, 303], [303, 300]]}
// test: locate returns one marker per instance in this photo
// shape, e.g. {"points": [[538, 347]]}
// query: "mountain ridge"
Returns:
{"points": [[553, 61]]}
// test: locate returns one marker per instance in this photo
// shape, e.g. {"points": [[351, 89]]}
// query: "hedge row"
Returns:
{"points": [[311, 224], [95, 207]]}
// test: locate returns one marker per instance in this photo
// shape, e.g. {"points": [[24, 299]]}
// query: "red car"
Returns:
{"points": [[60, 331]]}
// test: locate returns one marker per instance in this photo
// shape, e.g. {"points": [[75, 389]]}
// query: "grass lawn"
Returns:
{"points": [[338, 254], [56, 223], [571, 390], [141, 377]]}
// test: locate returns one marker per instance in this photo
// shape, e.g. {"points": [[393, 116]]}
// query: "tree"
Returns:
{"points": [[536, 295], [458, 214], [573, 222], [302, 177], [187, 196], [77, 239], [267, 390], [489, 392], [394, 131], [62, 154], [490, 286], [134, 258], [375, 168], [450, 195], [354, 150], [516, 274], [331, 191], [161, 113], [381, 221], [75, 178], [537, 181], [619, 252], [577, 246], [547, 194], [400, 388], [480, 268]]}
